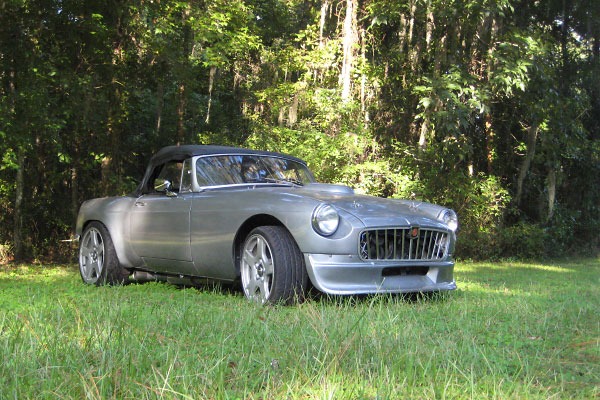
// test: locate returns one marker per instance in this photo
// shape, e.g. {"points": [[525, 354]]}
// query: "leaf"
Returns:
{"points": [[379, 20]]}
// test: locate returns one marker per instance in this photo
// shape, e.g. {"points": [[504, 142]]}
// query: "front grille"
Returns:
{"points": [[400, 244]]}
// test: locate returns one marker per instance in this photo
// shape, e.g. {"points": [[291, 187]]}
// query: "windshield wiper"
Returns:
{"points": [[291, 180], [275, 180]]}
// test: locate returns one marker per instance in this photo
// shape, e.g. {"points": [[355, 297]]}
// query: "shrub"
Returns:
{"points": [[524, 240], [477, 245]]}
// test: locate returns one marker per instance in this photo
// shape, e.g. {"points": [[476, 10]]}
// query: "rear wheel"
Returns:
{"points": [[272, 267], [98, 262]]}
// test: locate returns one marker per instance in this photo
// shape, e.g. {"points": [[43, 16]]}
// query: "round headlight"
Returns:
{"points": [[325, 220], [449, 218]]}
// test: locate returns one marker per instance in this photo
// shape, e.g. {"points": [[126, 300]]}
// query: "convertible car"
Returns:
{"points": [[231, 214]]}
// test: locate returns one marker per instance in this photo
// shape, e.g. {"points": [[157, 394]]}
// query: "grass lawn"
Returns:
{"points": [[511, 330]]}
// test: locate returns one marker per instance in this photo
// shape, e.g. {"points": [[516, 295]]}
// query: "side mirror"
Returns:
{"points": [[164, 186]]}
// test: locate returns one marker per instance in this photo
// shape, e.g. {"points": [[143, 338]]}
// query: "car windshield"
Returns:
{"points": [[241, 169]]}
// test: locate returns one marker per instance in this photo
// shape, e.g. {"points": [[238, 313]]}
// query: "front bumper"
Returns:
{"points": [[347, 274]]}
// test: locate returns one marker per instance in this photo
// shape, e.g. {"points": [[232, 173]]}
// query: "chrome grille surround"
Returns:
{"points": [[396, 244]]}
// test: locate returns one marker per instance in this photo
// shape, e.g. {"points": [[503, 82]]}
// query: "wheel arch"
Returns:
{"points": [[87, 222], [243, 231], [120, 247]]}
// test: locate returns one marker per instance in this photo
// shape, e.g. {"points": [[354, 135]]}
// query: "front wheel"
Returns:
{"points": [[272, 267], [98, 262]]}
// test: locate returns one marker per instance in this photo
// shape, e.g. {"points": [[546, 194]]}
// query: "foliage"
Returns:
{"points": [[525, 240], [489, 107]]}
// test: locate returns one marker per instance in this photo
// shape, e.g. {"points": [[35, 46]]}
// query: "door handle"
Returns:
{"points": [[140, 204]]}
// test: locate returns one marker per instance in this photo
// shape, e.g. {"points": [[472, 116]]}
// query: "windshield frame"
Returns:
{"points": [[199, 188]]}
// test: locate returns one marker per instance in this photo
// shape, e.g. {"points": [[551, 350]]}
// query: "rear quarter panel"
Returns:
{"points": [[114, 213]]}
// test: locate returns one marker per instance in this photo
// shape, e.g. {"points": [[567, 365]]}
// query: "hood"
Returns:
{"points": [[375, 211]]}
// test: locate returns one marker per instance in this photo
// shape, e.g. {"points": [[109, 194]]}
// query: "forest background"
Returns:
{"points": [[491, 107]]}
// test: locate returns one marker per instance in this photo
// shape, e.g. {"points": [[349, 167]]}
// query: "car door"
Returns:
{"points": [[218, 212], [160, 223]]}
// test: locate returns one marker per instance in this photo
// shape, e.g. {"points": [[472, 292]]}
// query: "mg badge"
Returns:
{"points": [[414, 232], [356, 204]]}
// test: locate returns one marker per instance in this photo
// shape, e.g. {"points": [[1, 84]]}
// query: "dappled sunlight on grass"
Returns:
{"points": [[525, 278], [36, 272], [475, 267]]}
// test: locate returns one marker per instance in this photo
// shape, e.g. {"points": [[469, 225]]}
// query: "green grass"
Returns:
{"points": [[511, 330]]}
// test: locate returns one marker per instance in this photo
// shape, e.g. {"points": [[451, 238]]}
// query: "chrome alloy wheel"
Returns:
{"points": [[91, 256], [257, 269]]}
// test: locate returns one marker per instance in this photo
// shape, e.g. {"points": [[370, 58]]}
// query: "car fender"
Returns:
{"points": [[114, 213]]}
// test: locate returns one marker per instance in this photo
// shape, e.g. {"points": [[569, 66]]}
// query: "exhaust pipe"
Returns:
{"points": [[143, 276]]}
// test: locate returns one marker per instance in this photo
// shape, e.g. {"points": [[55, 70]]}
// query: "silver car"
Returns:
{"points": [[228, 214]]}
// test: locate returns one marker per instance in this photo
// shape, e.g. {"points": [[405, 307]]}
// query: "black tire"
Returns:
{"points": [[289, 279], [98, 262]]}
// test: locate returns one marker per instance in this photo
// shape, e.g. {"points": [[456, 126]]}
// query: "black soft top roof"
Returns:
{"points": [[180, 153]]}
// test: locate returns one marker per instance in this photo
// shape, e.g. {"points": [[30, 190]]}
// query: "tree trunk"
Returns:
{"points": [[363, 77], [453, 45], [293, 112], [476, 62], [489, 141], [105, 164], [425, 125], [596, 68], [551, 192], [181, 92], [429, 26], [531, 140], [111, 162], [411, 24], [412, 51], [323, 18], [211, 80], [489, 129], [423, 132], [76, 159], [18, 213], [596, 48], [74, 190], [180, 112], [564, 41], [160, 101], [349, 40], [402, 33], [19, 181], [440, 55], [116, 139]]}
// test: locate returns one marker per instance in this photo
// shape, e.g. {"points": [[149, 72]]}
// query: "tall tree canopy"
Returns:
{"points": [[490, 107]]}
